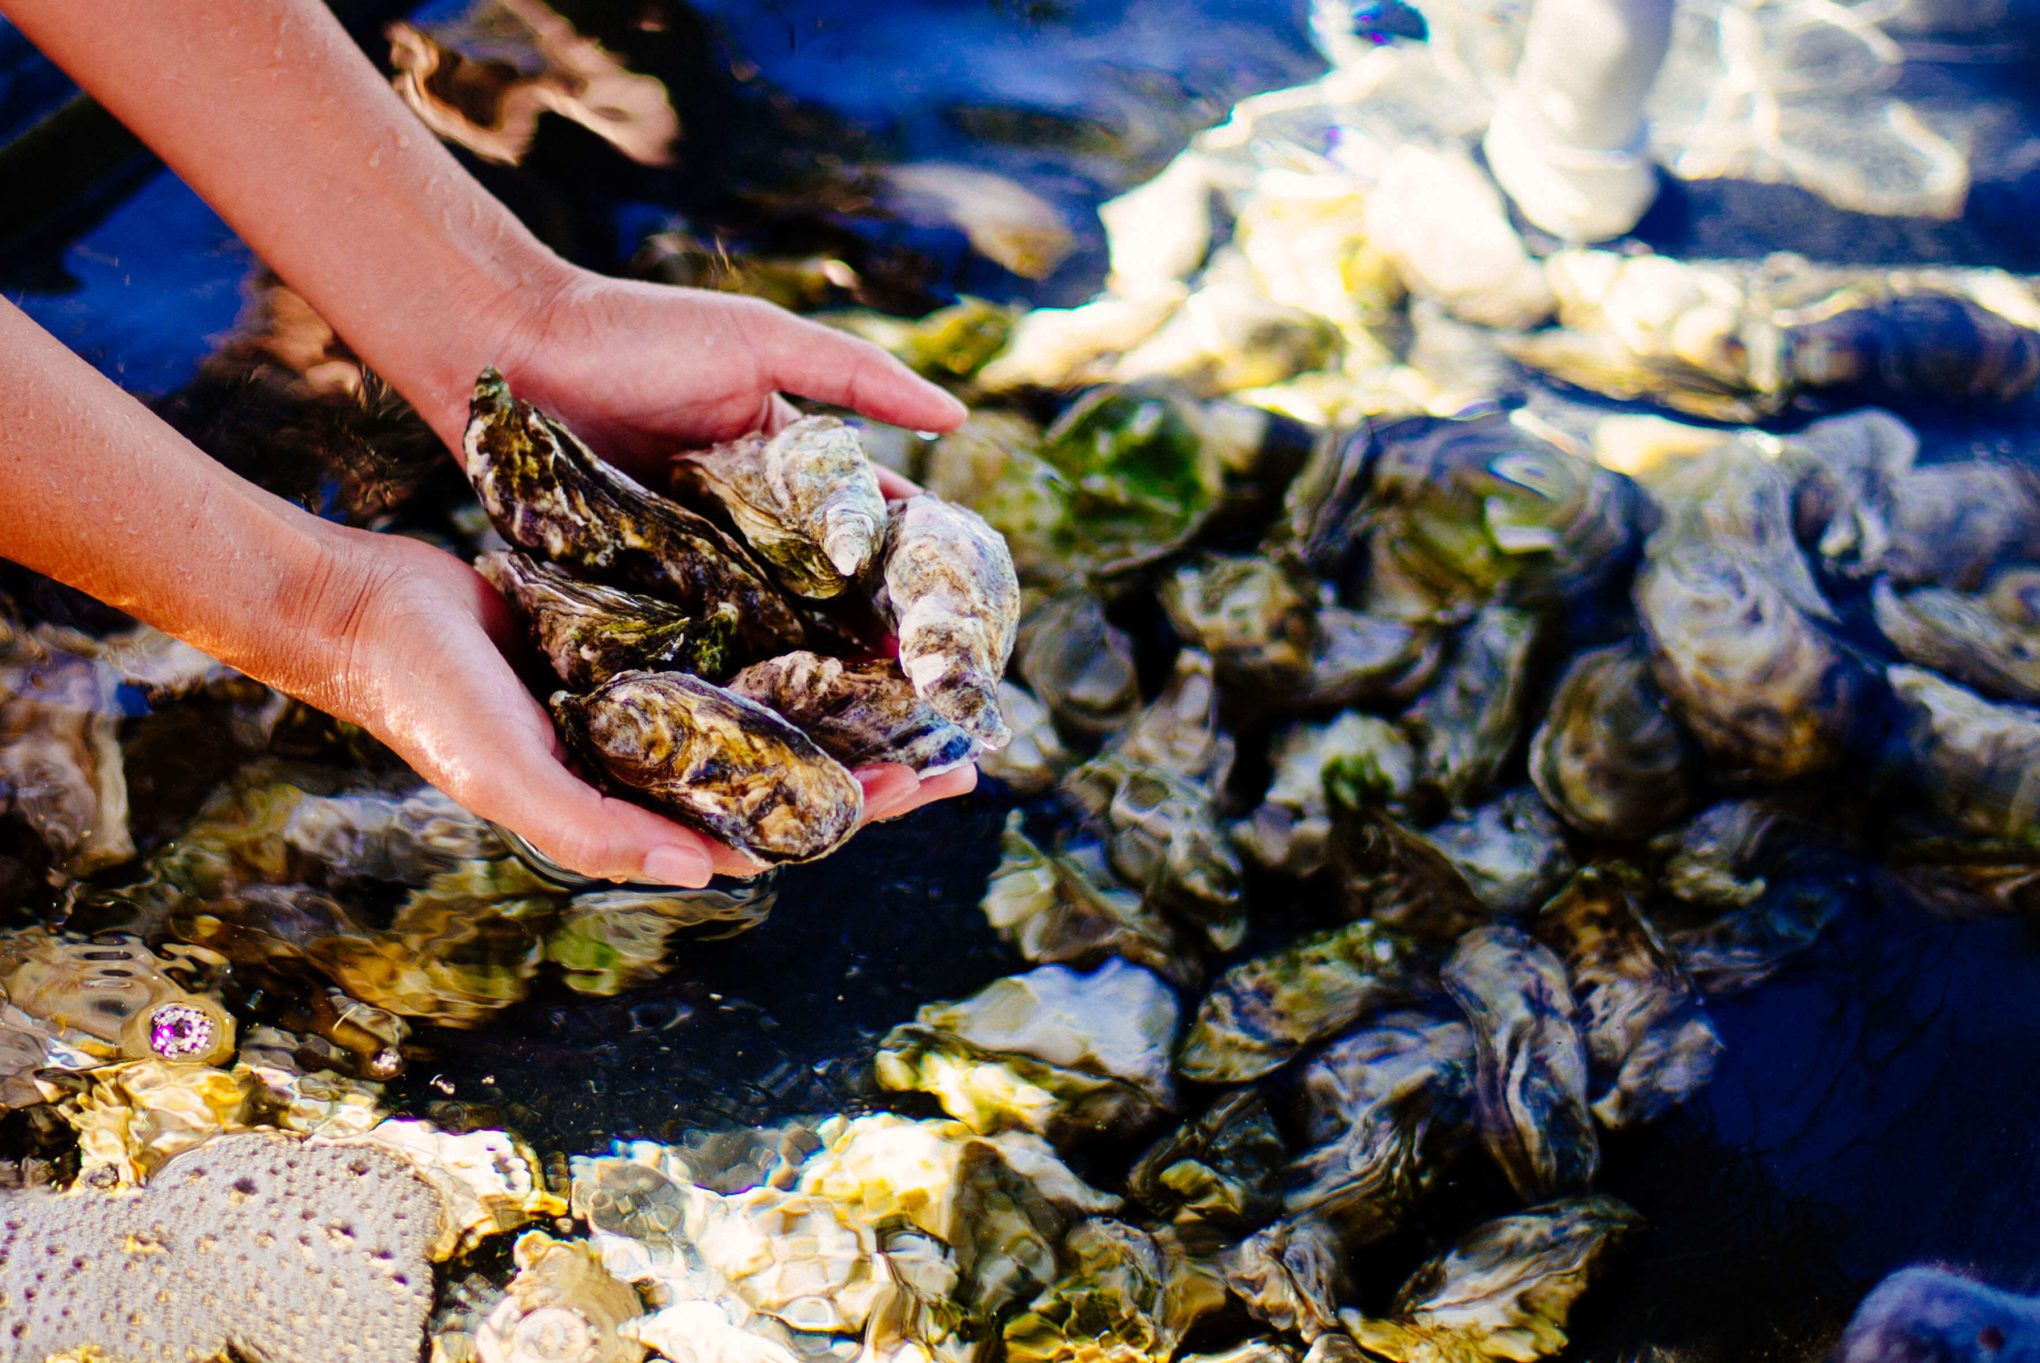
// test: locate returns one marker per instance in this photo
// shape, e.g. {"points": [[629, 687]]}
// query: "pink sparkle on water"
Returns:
{"points": [[177, 1030]]}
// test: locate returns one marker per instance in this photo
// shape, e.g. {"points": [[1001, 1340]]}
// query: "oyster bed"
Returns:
{"points": [[1843, 1094]]}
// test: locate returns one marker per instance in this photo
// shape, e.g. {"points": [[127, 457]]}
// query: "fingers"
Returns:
{"points": [[911, 794], [896, 487], [818, 362]]}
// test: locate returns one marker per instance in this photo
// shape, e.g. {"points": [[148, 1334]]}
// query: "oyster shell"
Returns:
{"points": [[1531, 1083], [547, 493], [954, 601], [1761, 687], [589, 632], [725, 764], [1263, 1012], [858, 713], [1979, 763], [1504, 1290], [805, 499], [1649, 1041], [1925, 344], [1511, 851], [1389, 1107], [1161, 835], [114, 988], [1927, 1312], [1108, 1306], [1290, 1275], [1080, 665], [1467, 726], [561, 1306], [993, 465], [1035, 758], [1990, 641], [1048, 1051], [1180, 731], [1396, 875], [1224, 1168], [1609, 758], [1290, 831], [1052, 909]]}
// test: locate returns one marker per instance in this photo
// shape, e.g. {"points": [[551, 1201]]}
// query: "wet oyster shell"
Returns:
{"points": [[1924, 344], [1290, 831], [1163, 837], [805, 499], [1053, 909], [1767, 693], [725, 764], [1978, 762], [1504, 1291], [1108, 1305], [1390, 1107], [561, 1305], [1649, 1042], [1531, 1085], [1925, 1312], [1050, 1051], [1290, 1275], [1180, 731], [1397, 876], [1609, 758], [547, 493], [1511, 851], [1263, 1012], [1224, 1168], [1079, 665], [1034, 759], [954, 601], [1947, 525], [589, 632], [1469, 723], [857, 713], [1990, 641]]}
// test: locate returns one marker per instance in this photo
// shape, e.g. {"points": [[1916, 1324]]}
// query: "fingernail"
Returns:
{"points": [[674, 864]]}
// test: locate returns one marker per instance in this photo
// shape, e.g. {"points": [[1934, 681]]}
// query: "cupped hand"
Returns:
{"points": [[425, 627]]}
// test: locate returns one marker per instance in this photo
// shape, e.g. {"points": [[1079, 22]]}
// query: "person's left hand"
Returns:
{"points": [[641, 371]]}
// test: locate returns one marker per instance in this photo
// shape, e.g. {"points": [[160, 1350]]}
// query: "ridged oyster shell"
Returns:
{"points": [[954, 601], [857, 712]]}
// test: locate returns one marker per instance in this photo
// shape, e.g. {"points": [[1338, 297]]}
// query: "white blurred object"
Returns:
{"points": [[1567, 138]]}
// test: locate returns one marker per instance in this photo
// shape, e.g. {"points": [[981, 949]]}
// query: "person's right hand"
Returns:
{"points": [[425, 668]]}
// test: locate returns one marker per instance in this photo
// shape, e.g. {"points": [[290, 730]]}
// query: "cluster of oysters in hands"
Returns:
{"points": [[726, 649]]}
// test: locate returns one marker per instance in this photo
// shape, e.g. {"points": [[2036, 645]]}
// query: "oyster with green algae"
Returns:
{"points": [[727, 765], [1263, 1012], [805, 499], [1530, 1088], [547, 492], [1648, 1039], [1504, 1291], [857, 712], [589, 632], [1389, 1108], [954, 601]]}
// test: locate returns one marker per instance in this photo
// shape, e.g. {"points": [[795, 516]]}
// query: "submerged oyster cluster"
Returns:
{"points": [[681, 625]]}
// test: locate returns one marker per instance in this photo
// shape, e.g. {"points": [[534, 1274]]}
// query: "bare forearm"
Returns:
{"points": [[268, 110], [96, 492]]}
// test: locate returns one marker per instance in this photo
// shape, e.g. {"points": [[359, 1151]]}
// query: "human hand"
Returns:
{"points": [[423, 626]]}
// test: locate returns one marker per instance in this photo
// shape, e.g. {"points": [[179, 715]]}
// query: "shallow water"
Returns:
{"points": [[1876, 1104]]}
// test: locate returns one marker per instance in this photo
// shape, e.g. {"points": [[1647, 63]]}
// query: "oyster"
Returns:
{"points": [[1224, 1168], [805, 499], [1290, 1275], [1467, 726], [1531, 1086], [1162, 836], [1048, 1051], [858, 713], [954, 602], [561, 1305], [1951, 525], [1511, 851], [1263, 1012], [1289, 832], [1395, 875], [993, 465], [1926, 344], [1035, 758], [1462, 510], [1979, 763], [1504, 1291], [1990, 642], [1180, 731], [1761, 687], [589, 632], [547, 493], [1389, 1106], [725, 764], [1080, 666], [1931, 1313], [1051, 908], [1649, 1042], [1109, 1304], [1608, 757]]}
